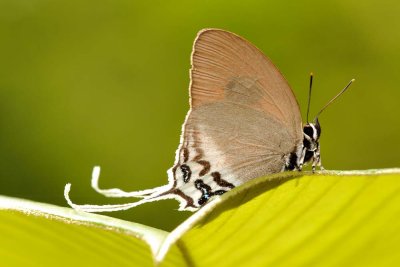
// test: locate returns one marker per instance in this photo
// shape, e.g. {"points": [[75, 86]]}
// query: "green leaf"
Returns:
{"points": [[35, 234], [288, 219], [334, 219]]}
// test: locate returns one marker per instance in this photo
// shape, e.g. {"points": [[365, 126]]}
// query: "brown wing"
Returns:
{"points": [[220, 58], [244, 118]]}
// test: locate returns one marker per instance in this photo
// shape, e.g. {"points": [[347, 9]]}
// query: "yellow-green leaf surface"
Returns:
{"points": [[331, 219], [289, 219], [35, 234]]}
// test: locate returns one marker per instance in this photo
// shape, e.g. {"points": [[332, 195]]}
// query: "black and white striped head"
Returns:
{"points": [[312, 133]]}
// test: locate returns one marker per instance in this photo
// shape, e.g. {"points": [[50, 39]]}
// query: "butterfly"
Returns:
{"points": [[244, 122]]}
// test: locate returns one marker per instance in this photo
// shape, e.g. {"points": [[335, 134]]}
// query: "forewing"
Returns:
{"points": [[220, 58]]}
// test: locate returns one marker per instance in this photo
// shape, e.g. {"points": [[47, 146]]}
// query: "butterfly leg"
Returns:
{"points": [[320, 165], [301, 158], [317, 160]]}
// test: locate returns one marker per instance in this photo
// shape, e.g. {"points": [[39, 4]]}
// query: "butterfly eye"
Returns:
{"points": [[308, 130]]}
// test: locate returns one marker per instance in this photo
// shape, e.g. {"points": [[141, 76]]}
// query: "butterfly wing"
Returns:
{"points": [[244, 119], [221, 59]]}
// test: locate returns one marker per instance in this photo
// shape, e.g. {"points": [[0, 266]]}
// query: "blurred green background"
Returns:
{"points": [[86, 83]]}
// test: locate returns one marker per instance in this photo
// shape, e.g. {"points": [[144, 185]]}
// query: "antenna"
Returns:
{"points": [[333, 99], [309, 95]]}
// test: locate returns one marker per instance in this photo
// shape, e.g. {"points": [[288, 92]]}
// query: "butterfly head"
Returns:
{"points": [[311, 132]]}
